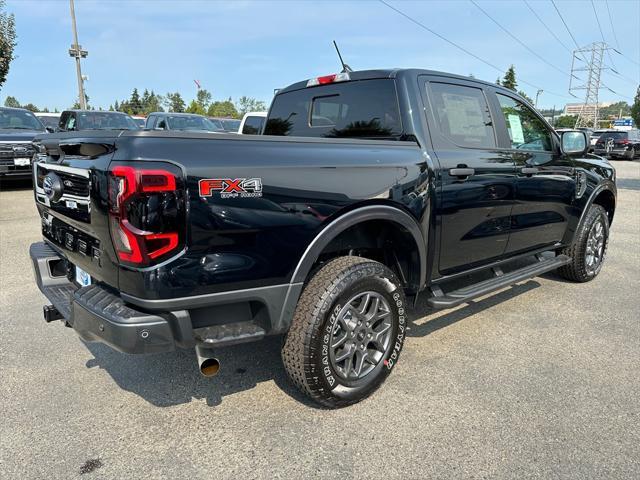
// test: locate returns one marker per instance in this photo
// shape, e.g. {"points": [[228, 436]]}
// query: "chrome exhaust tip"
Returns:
{"points": [[208, 364]]}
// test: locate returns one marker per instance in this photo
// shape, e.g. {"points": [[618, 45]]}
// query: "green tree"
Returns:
{"points": [[635, 108], [12, 102], [566, 121], [153, 103], [615, 110], [31, 107], [224, 108], [525, 96], [7, 41], [174, 102], [498, 81], [509, 80], [203, 98], [135, 105], [249, 104], [195, 107]]}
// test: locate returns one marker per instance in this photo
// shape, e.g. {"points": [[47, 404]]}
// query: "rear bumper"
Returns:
{"points": [[96, 314], [616, 152], [134, 325]]}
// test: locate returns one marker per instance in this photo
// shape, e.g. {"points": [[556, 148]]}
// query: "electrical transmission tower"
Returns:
{"points": [[593, 58]]}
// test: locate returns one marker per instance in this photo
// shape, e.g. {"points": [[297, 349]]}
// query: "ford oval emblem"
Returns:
{"points": [[52, 186]]}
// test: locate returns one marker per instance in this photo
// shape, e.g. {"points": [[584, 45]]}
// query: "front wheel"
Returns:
{"points": [[347, 331], [589, 247]]}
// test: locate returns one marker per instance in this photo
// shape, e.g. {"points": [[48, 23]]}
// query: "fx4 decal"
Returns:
{"points": [[230, 187]]}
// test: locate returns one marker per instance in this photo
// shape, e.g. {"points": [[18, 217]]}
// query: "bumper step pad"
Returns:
{"points": [[229, 334]]}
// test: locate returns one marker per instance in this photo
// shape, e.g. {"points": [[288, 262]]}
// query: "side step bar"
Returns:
{"points": [[452, 299]]}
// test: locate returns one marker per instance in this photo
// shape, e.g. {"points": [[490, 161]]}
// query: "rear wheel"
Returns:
{"points": [[347, 332], [589, 248]]}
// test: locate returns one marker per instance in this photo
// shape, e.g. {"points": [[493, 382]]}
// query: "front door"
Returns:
{"points": [[546, 182], [476, 180]]}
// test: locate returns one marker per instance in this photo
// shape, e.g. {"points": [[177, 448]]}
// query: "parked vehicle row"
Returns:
{"points": [[618, 144], [363, 189], [18, 127]]}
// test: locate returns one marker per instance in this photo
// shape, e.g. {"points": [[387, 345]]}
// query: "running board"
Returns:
{"points": [[501, 280]]}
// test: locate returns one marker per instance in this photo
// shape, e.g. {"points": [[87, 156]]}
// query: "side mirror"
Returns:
{"points": [[49, 129], [574, 142]]}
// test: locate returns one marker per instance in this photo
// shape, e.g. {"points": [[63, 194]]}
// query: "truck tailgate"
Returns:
{"points": [[70, 189]]}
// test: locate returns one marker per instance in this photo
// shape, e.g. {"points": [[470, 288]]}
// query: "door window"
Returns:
{"points": [[71, 122], [526, 130], [463, 115]]}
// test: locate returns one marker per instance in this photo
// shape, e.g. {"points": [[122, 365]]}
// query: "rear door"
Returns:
{"points": [[546, 182], [477, 181]]}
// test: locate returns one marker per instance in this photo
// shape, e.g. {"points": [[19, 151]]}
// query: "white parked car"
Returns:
{"points": [[252, 123]]}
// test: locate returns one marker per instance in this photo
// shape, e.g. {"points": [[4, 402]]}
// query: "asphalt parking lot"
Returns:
{"points": [[537, 381]]}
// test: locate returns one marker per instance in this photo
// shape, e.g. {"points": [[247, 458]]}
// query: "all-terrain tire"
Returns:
{"points": [[319, 314], [579, 270]]}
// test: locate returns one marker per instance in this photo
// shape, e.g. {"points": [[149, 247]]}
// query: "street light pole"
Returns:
{"points": [[537, 95], [77, 52]]}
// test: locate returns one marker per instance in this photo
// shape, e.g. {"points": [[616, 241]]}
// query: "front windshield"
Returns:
{"points": [[186, 122], [19, 120], [105, 121], [231, 125], [49, 120]]}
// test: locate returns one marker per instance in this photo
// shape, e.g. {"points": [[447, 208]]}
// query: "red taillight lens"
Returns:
{"points": [[624, 141], [147, 213]]}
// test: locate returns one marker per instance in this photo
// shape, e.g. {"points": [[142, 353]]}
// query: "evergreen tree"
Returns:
{"points": [[509, 80], [174, 102], [135, 106], [31, 107]]}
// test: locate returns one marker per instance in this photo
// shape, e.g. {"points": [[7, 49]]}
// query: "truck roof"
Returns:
{"points": [[393, 73]]}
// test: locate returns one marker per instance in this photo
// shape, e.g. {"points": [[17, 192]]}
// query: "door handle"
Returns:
{"points": [[529, 170], [461, 172]]}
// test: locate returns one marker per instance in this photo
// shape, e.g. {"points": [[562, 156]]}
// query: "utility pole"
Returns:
{"points": [[537, 95], [77, 52], [593, 57]]}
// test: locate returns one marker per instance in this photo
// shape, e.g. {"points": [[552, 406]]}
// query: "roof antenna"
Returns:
{"points": [[345, 67]]}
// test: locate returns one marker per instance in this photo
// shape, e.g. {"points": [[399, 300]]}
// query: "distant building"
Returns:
{"points": [[576, 108]]}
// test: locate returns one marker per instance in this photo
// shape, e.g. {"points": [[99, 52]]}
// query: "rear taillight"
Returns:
{"points": [[146, 213], [624, 141], [333, 78]]}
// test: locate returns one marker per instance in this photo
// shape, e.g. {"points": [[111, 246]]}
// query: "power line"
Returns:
{"points": [[566, 26], [602, 34], [615, 36], [516, 38], [433, 32], [545, 26]]}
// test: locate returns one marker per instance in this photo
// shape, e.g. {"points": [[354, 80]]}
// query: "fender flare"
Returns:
{"points": [[601, 187], [351, 218]]}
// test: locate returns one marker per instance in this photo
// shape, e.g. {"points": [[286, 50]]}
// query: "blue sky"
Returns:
{"points": [[249, 48]]}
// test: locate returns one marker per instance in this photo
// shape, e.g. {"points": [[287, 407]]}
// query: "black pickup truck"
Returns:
{"points": [[367, 188]]}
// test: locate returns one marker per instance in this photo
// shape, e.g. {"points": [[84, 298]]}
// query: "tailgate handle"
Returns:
{"points": [[529, 170], [461, 172]]}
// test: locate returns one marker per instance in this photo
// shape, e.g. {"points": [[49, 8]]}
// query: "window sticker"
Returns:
{"points": [[515, 129]]}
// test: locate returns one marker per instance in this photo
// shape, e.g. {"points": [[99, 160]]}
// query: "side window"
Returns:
{"points": [[62, 123], [463, 115], [151, 122], [71, 122], [162, 124], [526, 130], [252, 125]]}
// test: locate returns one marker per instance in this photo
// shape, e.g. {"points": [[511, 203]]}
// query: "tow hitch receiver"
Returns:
{"points": [[51, 313]]}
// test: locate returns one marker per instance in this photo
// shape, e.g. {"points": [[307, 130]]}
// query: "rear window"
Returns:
{"points": [[360, 109], [614, 135]]}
